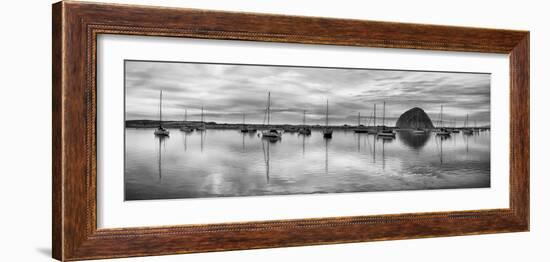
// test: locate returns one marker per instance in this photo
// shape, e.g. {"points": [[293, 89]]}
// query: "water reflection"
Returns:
{"points": [[326, 155], [161, 141], [439, 141], [384, 141], [414, 140], [303, 145], [185, 142], [229, 163], [202, 133], [267, 155]]}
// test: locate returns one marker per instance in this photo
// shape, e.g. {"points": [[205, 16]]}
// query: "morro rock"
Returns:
{"points": [[414, 118]]}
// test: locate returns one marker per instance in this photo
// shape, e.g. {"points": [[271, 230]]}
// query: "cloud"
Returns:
{"points": [[227, 91]]}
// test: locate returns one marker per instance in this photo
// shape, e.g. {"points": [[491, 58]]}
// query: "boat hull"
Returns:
{"points": [[327, 133], [386, 135], [304, 132], [161, 132], [271, 134]]}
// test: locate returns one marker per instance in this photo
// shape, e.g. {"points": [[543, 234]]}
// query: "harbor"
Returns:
{"points": [[204, 130], [228, 163], [413, 153]]}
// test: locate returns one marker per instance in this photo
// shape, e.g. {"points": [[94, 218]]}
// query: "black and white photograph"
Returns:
{"points": [[269, 131], [200, 130]]}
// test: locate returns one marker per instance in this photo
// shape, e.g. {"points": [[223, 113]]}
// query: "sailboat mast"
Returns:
{"points": [[384, 115], [243, 118], [268, 107], [358, 118], [441, 117], [326, 116], [375, 115], [466, 124], [202, 115], [304, 120], [185, 115], [160, 109]]}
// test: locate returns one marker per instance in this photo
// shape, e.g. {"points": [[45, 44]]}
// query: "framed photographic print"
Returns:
{"points": [[182, 130]]}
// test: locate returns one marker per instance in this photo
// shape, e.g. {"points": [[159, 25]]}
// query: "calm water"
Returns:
{"points": [[228, 163]]}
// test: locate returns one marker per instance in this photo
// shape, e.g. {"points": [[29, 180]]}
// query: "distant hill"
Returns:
{"points": [[414, 118]]}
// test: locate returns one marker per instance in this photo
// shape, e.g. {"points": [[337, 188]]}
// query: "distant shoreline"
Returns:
{"points": [[214, 125]]}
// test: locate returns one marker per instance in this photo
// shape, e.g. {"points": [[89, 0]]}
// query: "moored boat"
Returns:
{"points": [[304, 130], [161, 131], [270, 133], [417, 130], [327, 131], [385, 132], [202, 126], [290, 129], [374, 129], [442, 131], [475, 129], [184, 127], [466, 130], [360, 128]]}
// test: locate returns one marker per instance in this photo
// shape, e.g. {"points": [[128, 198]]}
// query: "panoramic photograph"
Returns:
{"points": [[202, 130]]}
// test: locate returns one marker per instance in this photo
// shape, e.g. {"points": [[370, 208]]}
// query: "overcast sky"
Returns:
{"points": [[228, 91]]}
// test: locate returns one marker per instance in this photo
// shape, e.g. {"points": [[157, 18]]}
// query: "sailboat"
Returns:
{"points": [[385, 132], [418, 130], [375, 129], [202, 127], [245, 128], [304, 130], [455, 130], [467, 130], [161, 131], [327, 132], [271, 133], [442, 131], [184, 127], [476, 130], [360, 128]]}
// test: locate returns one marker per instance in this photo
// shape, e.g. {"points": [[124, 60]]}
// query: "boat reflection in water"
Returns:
{"points": [[231, 163], [161, 141]]}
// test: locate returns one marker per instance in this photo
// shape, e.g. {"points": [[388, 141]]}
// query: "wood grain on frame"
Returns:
{"points": [[76, 26]]}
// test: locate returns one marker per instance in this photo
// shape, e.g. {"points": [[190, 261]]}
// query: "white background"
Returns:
{"points": [[113, 212], [25, 188]]}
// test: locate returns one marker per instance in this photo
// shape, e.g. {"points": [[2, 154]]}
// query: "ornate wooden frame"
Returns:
{"points": [[76, 26]]}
